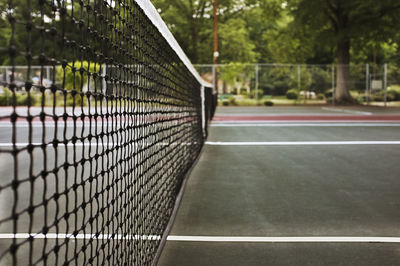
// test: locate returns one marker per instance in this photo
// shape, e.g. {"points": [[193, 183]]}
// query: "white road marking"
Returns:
{"points": [[302, 239], [300, 143], [345, 111]]}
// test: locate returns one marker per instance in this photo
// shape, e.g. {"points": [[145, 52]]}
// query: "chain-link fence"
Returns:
{"points": [[257, 84]]}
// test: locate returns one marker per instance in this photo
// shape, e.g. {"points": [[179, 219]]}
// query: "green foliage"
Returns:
{"points": [[25, 99], [235, 42], [392, 94], [268, 103], [328, 93], [22, 99], [77, 100], [5, 97], [292, 94], [260, 94], [75, 75], [232, 101]]}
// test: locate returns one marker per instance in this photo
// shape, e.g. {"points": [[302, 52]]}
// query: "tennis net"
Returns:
{"points": [[103, 117]]}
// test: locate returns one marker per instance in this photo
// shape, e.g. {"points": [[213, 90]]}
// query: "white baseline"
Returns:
{"points": [[305, 125], [285, 239], [300, 143]]}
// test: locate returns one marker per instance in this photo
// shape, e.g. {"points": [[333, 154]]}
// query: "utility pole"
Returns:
{"points": [[216, 53]]}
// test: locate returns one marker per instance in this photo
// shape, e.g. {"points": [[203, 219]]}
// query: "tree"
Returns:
{"points": [[344, 22]]}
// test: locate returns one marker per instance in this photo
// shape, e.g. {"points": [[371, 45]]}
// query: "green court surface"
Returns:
{"points": [[292, 193]]}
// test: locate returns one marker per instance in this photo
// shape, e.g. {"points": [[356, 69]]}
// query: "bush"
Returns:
{"points": [[23, 99], [79, 100], [232, 101], [268, 103], [78, 76], [244, 93], [329, 94], [5, 97], [394, 94], [320, 97], [391, 95], [225, 103], [292, 94], [260, 94]]}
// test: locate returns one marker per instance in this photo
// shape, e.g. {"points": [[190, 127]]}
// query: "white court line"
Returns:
{"points": [[300, 143], [59, 125], [305, 125], [309, 121], [345, 111], [93, 143], [284, 239], [302, 239], [80, 236]]}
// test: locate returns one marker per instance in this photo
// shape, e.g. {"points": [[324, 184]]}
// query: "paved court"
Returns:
{"points": [[279, 191]]}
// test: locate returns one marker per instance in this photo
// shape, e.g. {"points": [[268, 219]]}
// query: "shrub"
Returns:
{"points": [[391, 95], [268, 103], [394, 94], [79, 100], [225, 103], [78, 77], [320, 97], [23, 99], [328, 93], [5, 97], [292, 94], [260, 94], [232, 101]]}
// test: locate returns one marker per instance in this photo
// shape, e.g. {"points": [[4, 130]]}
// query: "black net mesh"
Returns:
{"points": [[101, 122]]}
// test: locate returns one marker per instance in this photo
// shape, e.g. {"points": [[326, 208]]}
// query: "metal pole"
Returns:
{"points": [[367, 83], [256, 84], [7, 76], [333, 85], [104, 89], [385, 82], [298, 77], [214, 77], [48, 73], [216, 53]]}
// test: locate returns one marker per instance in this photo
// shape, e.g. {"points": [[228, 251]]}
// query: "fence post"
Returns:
{"points": [[7, 77], [104, 89], [48, 73], [333, 85], [213, 77], [385, 82], [298, 77], [367, 91], [256, 86]]}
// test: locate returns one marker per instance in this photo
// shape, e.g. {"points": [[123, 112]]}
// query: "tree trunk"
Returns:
{"points": [[342, 94]]}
